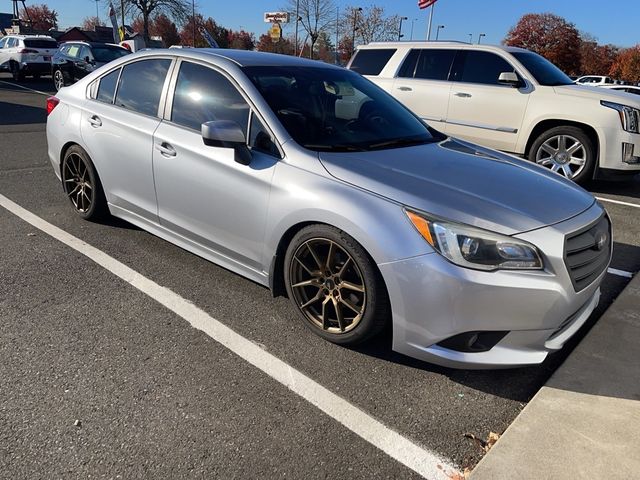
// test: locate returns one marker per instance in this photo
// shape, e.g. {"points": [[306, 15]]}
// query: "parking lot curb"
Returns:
{"points": [[585, 422]]}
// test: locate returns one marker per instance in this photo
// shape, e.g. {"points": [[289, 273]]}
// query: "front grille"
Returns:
{"points": [[587, 252]]}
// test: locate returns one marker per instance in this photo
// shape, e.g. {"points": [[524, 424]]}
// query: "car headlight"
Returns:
{"points": [[629, 116], [475, 248]]}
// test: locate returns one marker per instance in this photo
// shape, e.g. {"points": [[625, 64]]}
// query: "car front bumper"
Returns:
{"points": [[433, 300], [620, 152]]}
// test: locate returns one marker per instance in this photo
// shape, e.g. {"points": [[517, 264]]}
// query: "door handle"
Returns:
{"points": [[405, 89], [462, 95], [95, 121], [166, 150]]}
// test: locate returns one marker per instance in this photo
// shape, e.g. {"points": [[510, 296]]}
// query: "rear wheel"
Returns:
{"points": [[58, 79], [335, 286], [567, 151], [16, 73], [82, 185]]}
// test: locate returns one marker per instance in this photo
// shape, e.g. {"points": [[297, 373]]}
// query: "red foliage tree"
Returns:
{"points": [[219, 34], [596, 59], [159, 26], [42, 17], [549, 35], [627, 65], [241, 40], [284, 45], [90, 23]]}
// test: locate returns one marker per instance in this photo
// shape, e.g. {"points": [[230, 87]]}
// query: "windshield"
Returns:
{"points": [[545, 72], [106, 54], [330, 109]]}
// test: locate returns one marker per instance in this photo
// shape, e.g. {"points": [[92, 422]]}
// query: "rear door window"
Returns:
{"points": [[483, 68], [141, 85], [107, 87], [371, 62], [434, 64]]}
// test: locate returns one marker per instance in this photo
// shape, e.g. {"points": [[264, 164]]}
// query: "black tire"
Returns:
{"points": [[16, 73], [373, 301], [587, 151], [82, 185]]}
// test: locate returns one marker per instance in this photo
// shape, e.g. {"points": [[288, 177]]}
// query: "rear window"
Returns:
{"points": [[371, 62], [107, 87], [39, 43], [141, 85]]}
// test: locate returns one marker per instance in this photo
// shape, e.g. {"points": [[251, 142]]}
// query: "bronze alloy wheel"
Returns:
{"points": [[77, 182], [327, 286]]}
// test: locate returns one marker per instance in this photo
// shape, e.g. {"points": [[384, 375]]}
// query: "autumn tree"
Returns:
{"points": [[324, 49], [241, 40], [40, 17], [627, 65], [596, 59], [284, 45], [345, 49], [90, 23], [315, 16], [219, 33], [146, 9], [159, 26], [549, 35]]}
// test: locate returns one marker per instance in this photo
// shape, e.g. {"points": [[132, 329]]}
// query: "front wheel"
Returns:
{"points": [[82, 185], [567, 151], [335, 286]]}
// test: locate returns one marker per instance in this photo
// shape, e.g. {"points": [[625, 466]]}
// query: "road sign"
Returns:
{"points": [[276, 17], [275, 32]]}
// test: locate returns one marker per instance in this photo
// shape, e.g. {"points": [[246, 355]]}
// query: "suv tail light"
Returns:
{"points": [[52, 102], [27, 50]]}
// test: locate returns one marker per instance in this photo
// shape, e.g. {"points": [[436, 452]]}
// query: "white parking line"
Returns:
{"points": [[620, 273], [27, 88], [618, 202], [417, 458]]}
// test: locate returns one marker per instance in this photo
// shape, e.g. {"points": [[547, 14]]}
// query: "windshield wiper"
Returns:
{"points": [[400, 142], [336, 148]]}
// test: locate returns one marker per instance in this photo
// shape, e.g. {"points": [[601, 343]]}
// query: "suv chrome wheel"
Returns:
{"points": [[563, 154]]}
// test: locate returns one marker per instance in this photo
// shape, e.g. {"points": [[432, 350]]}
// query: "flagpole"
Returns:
{"points": [[433, 5]]}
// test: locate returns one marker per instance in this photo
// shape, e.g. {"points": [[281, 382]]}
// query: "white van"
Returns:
{"points": [[512, 100]]}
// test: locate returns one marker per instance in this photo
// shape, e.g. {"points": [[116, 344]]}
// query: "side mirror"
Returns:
{"points": [[510, 78], [227, 134]]}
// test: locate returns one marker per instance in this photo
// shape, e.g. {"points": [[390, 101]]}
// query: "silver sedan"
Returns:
{"points": [[313, 182]]}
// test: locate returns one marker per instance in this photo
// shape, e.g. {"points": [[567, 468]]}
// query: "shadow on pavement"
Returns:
{"points": [[16, 114], [629, 187]]}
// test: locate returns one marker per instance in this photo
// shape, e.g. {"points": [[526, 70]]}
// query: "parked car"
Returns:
{"points": [[74, 60], [623, 88], [594, 80], [24, 55], [362, 215], [510, 99]]}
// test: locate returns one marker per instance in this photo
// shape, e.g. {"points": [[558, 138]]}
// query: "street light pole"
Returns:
{"points": [[480, 37], [353, 37], [400, 28], [412, 22], [438, 31], [297, 20]]}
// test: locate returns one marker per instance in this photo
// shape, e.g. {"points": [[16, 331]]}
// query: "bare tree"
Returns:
{"points": [[315, 16], [177, 10], [370, 24]]}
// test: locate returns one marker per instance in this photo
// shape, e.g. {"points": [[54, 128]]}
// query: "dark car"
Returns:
{"points": [[74, 60]]}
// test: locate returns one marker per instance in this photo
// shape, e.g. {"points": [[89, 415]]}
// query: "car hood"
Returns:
{"points": [[465, 183], [597, 93]]}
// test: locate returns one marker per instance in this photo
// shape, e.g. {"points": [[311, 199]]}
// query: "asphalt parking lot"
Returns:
{"points": [[99, 379]]}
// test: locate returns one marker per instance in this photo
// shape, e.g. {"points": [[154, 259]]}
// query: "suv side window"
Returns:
{"points": [[11, 43], [141, 85], [107, 87], [483, 67], [84, 52], [202, 94], [2, 42], [371, 62], [435, 64]]}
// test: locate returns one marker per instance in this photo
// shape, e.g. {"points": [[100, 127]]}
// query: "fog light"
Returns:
{"points": [[473, 341], [627, 153]]}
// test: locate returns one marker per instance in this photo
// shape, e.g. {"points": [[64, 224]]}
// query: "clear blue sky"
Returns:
{"points": [[611, 22]]}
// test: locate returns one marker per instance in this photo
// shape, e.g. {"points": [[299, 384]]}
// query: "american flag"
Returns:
{"points": [[422, 4]]}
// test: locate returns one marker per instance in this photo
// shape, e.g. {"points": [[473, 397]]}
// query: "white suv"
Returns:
{"points": [[27, 55], [594, 80], [510, 99]]}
